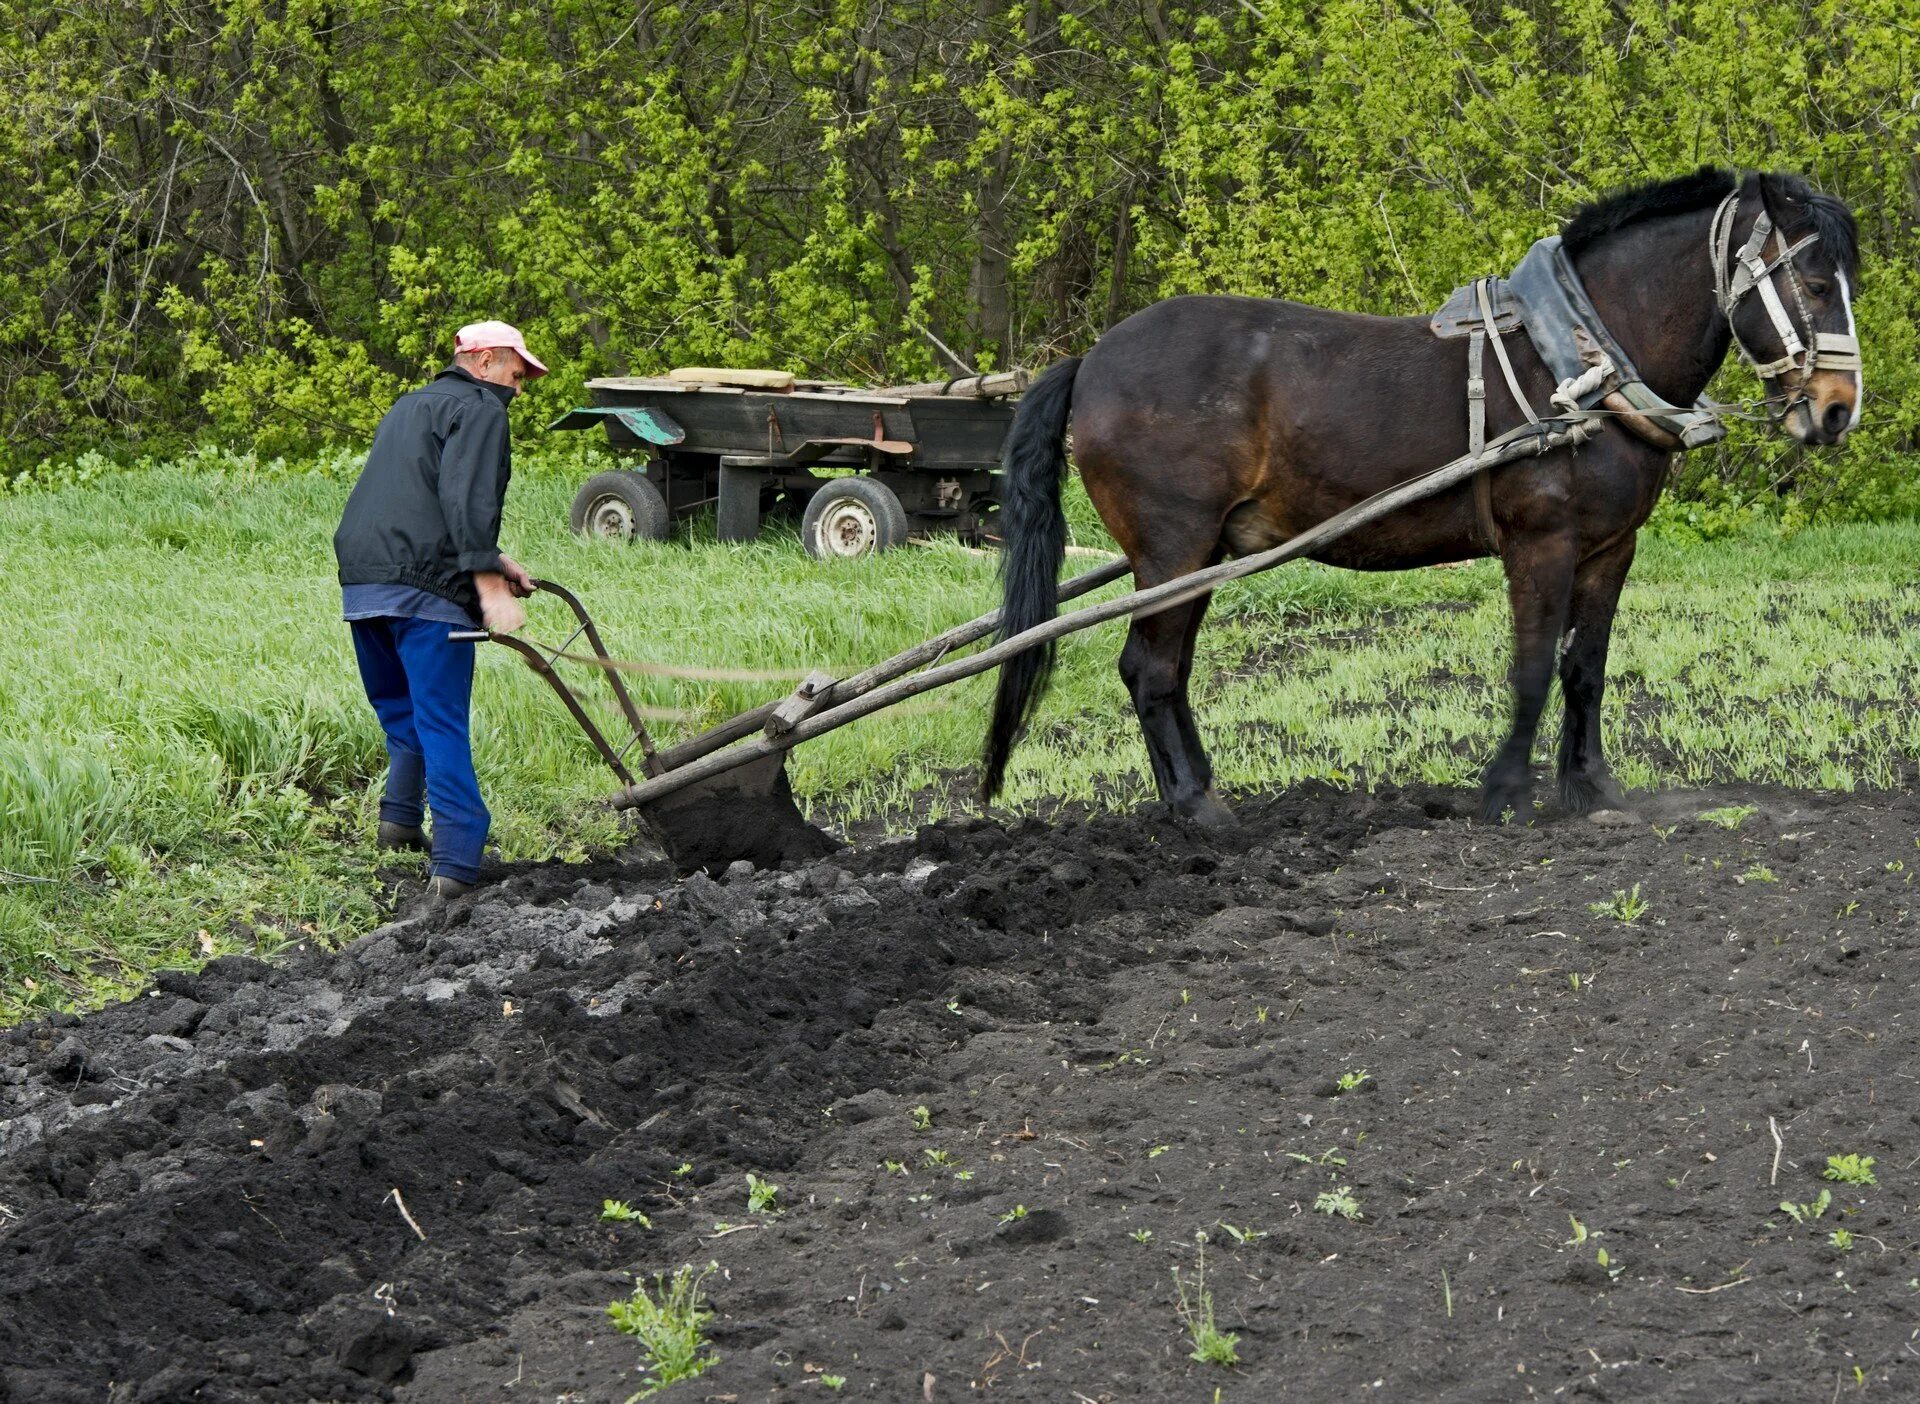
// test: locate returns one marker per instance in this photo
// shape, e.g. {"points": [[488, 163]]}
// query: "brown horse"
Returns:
{"points": [[1212, 425]]}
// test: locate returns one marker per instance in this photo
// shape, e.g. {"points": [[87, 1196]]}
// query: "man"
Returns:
{"points": [[419, 555]]}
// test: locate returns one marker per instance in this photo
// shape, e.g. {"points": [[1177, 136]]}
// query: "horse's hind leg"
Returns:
{"points": [[1203, 762], [1586, 784], [1155, 664], [1540, 570]]}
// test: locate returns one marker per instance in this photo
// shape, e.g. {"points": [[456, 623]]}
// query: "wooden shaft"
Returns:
{"points": [[727, 732], [1640, 424], [1515, 443]]}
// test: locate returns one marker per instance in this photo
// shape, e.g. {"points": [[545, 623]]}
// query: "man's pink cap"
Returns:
{"points": [[479, 336]]}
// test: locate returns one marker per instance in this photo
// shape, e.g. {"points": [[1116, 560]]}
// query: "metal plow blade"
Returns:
{"points": [[746, 813]]}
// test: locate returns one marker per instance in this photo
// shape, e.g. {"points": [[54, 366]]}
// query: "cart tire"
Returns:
{"points": [[851, 517], [622, 506]]}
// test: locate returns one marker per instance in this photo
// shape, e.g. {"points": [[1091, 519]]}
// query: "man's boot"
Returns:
{"points": [[445, 889], [397, 836]]}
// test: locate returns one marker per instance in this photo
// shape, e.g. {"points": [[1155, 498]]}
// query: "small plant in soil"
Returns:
{"points": [[1240, 1235], [1211, 1345], [893, 1167], [1841, 1239], [1338, 1200], [1759, 872], [1807, 1213], [1141, 1235], [683, 1169], [1330, 1156], [1729, 817], [1626, 906], [760, 1195], [618, 1211], [937, 1159], [670, 1324], [1347, 1081], [922, 1119], [1014, 1215], [1850, 1169]]}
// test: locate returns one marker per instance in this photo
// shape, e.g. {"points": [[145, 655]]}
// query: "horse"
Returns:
{"points": [[1209, 425]]}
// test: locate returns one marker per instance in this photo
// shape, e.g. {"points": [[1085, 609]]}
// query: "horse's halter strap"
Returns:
{"points": [[1736, 275]]}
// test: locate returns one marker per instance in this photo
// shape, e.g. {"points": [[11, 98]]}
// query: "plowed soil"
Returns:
{"points": [[378, 1173]]}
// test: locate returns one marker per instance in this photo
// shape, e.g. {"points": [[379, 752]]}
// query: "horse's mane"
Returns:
{"points": [[1709, 185], [1682, 195]]}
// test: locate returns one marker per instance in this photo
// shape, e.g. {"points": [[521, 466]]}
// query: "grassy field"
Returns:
{"points": [[187, 766]]}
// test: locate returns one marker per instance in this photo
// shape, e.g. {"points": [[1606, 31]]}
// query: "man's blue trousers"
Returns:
{"points": [[421, 688]]}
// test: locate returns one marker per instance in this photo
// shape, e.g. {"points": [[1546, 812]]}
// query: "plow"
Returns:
{"points": [[723, 795]]}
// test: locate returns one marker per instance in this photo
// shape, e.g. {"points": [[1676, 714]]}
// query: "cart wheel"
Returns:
{"points": [[622, 506], [849, 517]]}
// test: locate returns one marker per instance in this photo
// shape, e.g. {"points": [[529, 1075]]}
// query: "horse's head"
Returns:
{"points": [[1786, 264]]}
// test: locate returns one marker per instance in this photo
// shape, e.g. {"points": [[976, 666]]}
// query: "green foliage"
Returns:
{"points": [[1806, 1213], [1850, 1170], [670, 1324], [1194, 1307], [275, 216], [761, 1195], [1626, 906], [1338, 1200]]}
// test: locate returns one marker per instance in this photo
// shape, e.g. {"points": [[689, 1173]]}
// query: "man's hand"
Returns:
{"points": [[499, 610], [518, 579]]}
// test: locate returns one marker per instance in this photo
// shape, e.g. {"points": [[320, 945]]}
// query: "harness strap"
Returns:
{"points": [[1476, 393], [1477, 435], [1500, 354], [1836, 351]]}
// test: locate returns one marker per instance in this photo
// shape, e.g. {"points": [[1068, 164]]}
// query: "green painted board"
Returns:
{"points": [[641, 422]]}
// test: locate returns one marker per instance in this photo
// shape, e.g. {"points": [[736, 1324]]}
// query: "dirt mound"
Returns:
{"points": [[1123, 1033]]}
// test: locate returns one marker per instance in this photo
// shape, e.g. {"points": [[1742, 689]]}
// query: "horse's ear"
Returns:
{"points": [[1778, 198]]}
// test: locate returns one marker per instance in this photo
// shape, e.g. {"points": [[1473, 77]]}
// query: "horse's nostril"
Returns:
{"points": [[1834, 421]]}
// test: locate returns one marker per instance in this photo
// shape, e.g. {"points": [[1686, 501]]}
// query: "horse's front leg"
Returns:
{"points": [[1540, 571], [1586, 784]]}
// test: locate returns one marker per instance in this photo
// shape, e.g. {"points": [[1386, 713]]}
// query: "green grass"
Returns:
{"points": [[186, 757]]}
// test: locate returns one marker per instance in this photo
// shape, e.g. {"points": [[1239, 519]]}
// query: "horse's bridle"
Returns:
{"points": [[1739, 274]]}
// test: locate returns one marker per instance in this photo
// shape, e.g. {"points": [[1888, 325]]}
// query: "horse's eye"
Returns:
{"points": [[1819, 287]]}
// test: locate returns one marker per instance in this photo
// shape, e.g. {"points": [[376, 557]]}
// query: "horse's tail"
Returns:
{"points": [[1034, 530]]}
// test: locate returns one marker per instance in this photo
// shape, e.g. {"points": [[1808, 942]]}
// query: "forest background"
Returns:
{"points": [[252, 222]]}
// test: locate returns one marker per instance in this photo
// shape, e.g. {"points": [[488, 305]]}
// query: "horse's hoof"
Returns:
{"points": [[1612, 819], [1583, 794], [1501, 807], [1208, 812]]}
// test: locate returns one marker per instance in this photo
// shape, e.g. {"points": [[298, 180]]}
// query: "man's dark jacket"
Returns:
{"points": [[426, 511]]}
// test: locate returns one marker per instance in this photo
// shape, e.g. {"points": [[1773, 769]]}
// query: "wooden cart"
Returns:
{"points": [[863, 469]]}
